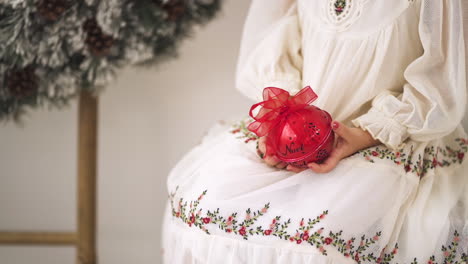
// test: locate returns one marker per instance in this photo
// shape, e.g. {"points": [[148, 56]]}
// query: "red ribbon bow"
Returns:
{"points": [[276, 106]]}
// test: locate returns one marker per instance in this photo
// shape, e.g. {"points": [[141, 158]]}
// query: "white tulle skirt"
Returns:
{"points": [[378, 206]]}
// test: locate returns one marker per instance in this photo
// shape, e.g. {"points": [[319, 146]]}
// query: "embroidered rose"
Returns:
{"points": [[356, 257], [267, 232], [206, 220], [242, 231], [328, 240], [407, 168]]}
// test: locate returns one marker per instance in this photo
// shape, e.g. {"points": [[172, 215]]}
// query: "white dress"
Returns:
{"points": [[394, 68]]}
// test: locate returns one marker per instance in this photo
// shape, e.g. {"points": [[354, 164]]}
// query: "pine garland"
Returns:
{"points": [[51, 50]]}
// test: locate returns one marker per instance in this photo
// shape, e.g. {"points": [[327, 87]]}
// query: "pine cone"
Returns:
{"points": [[51, 10], [98, 42], [22, 83], [174, 8]]}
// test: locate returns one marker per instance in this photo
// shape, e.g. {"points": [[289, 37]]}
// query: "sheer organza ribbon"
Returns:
{"points": [[275, 108]]}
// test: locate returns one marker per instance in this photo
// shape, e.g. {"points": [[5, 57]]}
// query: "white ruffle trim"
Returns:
{"points": [[182, 244], [381, 127]]}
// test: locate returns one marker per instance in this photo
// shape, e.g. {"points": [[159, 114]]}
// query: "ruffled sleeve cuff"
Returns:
{"points": [[383, 128]]}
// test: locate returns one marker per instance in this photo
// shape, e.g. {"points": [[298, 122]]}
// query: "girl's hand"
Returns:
{"points": [[349, 141], [270, 160]]}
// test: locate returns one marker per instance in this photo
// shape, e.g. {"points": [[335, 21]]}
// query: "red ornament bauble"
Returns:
{"points": [[304, 136], [296, 132]]}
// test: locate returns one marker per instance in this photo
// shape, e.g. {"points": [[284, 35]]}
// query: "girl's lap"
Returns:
{"points": [[230, 184]]}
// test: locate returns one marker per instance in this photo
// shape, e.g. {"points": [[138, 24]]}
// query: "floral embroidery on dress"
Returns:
{"points": [[433, 157], [245, 225], [241, 127], [341, 14], [340, 6]]}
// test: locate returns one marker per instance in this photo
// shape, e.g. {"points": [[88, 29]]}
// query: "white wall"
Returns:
{"points": [[148, 120]]}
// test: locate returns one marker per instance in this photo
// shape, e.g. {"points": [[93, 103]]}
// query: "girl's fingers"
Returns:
{"points": [[342, 130], [329, 164], [325, 167], [261, 144], [295, 169], [281, 165], [271, 160]]}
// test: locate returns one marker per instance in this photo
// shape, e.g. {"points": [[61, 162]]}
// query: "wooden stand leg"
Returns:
{"points": [[85, 237], [87, 167]]}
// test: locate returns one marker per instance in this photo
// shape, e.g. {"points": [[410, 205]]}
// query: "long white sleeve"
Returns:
{"points": [[433, 100], [270, 53]]}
